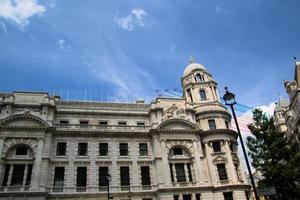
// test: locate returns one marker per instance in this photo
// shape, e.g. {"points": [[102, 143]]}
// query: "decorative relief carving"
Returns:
{"points": [[174, 112]]}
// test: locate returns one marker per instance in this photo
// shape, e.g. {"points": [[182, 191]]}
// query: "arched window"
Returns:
{"points": [[203, 95], [199, 77], [180, 162], [18, 167]]}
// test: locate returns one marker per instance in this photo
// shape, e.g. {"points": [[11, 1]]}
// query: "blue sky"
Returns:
{"points": [[126, 50]]}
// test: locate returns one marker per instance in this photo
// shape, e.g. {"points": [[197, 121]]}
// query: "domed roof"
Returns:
{"points": [[191, 67]]}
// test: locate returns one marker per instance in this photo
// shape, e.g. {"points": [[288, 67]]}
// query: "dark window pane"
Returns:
{"points": [[84, 123], [6, 173], [222, 171], [103, 124], [145, 173], [59, 177], [143, 149], [122, 123], [124, 176], [176, 197], [187, 197], [61, 148], [198, 196], [177, 151], [203, 95], [228, 196], [103, 149], [81, 177], [212, 124], [227, 124], [29, 173], [123, 149], [21, 151], [64, 122], [103, 172], [82, 149], [180, 174], [18, 175], [216, 146], [141, 124]]}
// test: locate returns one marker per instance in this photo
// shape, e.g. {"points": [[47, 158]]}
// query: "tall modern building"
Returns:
{"points": [[171, 149]]}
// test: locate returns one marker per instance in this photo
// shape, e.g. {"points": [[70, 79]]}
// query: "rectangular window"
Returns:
{"points": [[227, 195], [59, 177], [145, 175], [81, 179], [61, 148], [103, 182], [123, 149], [198, 196], [143, 149], [140, 124], [124, 177], [233, 147], [63, 122], [6, 174], [222, 172], [236, 166], [187, 197], [176, 196], [180, 174], [123, 123], [216, 146], [84, 123], [103, 124], [82, 148], [17, 176], [227, 124], [212, 124], [103, 149]]}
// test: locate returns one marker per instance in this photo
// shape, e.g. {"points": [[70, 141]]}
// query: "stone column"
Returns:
{"points": [[174, 173], [10, 175], [186, 173], [166, 170], [1, 149], [25, 175], [37, 166], [199, 169], [230, 163], [210, 164]]}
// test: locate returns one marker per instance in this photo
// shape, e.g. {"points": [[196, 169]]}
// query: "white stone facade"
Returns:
{"points": [[190, 150]]}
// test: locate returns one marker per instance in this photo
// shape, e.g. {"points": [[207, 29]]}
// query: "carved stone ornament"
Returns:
{"points": [[174, 112]]}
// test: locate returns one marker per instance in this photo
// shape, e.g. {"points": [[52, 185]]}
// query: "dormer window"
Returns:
{"points": [[203, 95]]}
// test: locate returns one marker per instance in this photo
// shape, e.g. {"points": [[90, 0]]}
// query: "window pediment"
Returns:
{"points": [[177, 124]]}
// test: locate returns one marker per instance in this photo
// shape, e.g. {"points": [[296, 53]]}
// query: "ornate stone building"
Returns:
{"points": [[287, 113], [170, 149]]}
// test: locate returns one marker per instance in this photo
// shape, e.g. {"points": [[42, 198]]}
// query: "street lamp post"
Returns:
{"points": [[108, 179], [229, 99]]}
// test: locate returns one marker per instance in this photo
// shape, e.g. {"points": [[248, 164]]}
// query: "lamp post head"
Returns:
{"points": [[229, 97]]}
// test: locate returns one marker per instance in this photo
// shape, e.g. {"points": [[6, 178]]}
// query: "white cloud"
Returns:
{"points": [[20, 11], [135, 18], [63, 45], [3, 28]]}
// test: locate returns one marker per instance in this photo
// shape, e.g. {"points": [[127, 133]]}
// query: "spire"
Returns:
{"points": [[192, 60]]}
